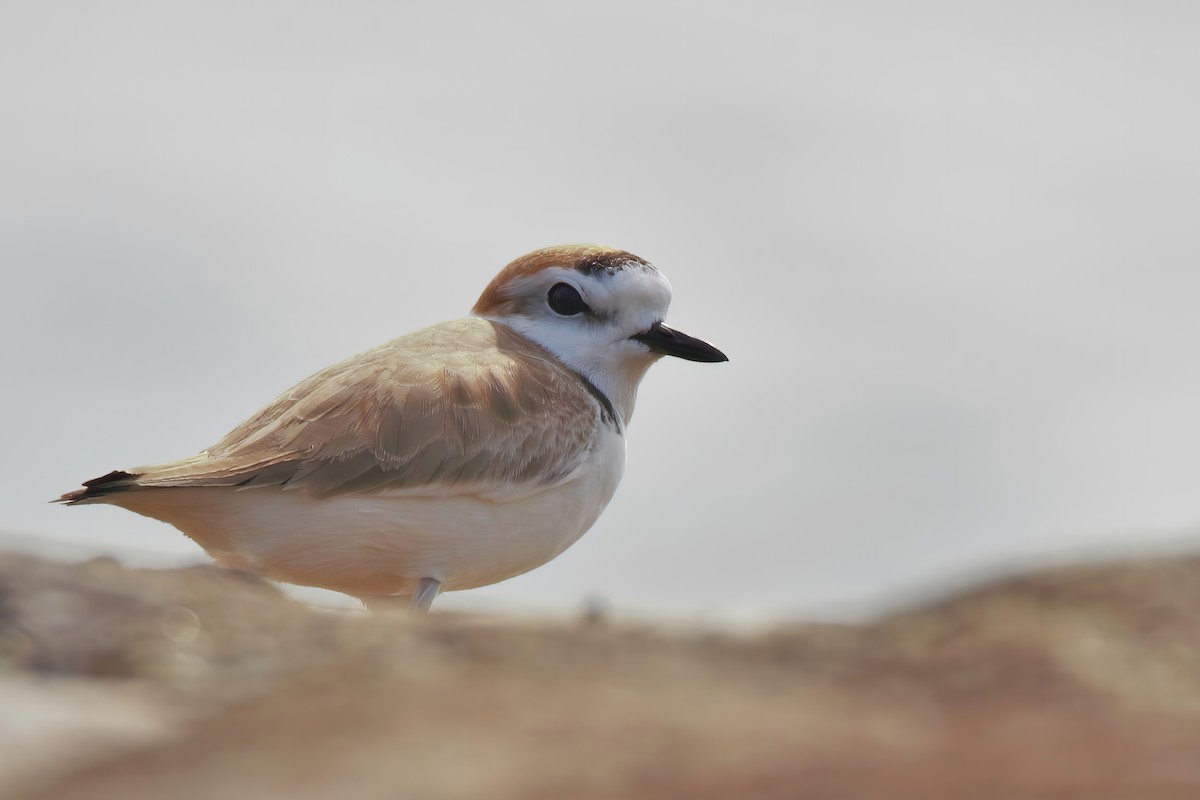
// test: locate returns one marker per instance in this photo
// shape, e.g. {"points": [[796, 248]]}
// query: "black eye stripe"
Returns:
{"points": [[564, 299]]}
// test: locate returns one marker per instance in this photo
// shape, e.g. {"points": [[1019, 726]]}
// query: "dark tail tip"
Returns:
{"points": [[115, 481]]}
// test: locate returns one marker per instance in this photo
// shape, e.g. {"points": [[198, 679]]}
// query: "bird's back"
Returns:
{"points": [[467, 406]]}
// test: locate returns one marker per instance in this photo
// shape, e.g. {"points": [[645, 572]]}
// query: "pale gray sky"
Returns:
{"points": [[950, 249]]}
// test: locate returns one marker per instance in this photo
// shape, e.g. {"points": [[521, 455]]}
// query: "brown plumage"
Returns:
{"points": [[496, 300], [467, 405], [450, 458]]}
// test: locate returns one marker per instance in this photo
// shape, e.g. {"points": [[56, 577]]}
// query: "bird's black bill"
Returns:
{"points": [[669, 342]]}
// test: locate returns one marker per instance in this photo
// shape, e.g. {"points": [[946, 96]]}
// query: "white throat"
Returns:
{"points": [[595, 340], [615, 370]]}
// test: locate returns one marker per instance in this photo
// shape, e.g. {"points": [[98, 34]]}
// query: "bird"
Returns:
{"points": [[450, 458]]}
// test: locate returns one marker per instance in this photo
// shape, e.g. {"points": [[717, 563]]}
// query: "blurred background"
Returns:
{"points": [[949, 248]]}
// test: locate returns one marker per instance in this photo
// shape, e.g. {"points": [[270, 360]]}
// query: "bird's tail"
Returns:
{"points": [[97, 490]]}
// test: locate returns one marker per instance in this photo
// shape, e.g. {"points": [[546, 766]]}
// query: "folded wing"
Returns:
{"points": [[466, 406]]}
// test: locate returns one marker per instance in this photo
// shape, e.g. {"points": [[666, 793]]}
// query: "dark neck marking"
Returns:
{"points": [[607, 412]]}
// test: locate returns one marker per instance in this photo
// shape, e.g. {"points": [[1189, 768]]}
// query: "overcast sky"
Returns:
{"points": [[950, 248]]}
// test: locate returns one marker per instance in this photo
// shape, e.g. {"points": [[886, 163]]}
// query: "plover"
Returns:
{"points": [[450, 458]]}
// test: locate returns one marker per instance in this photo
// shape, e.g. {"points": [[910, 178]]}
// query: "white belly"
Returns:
{"points": [[381, 545]]}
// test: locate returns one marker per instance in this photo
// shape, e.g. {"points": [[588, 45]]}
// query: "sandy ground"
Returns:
{"points": [[199, 683]]}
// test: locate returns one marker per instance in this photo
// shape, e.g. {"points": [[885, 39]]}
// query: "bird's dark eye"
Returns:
{"points": [[564, 299]]}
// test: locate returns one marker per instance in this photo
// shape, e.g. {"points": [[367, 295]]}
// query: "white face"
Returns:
{"points": [[600, 311], [588, 319]]}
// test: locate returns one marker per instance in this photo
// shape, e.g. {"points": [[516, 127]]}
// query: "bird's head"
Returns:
{"points": [[599, 310]]}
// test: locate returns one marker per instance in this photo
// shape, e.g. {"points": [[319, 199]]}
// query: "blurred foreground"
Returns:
{"points": [[198, 683]]}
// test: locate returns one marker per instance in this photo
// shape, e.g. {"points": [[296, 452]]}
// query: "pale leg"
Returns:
{"points": [[427, 589], [419, 601]]}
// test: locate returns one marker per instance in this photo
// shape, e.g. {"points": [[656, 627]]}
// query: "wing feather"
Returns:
{"points": [[462, 406]]}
